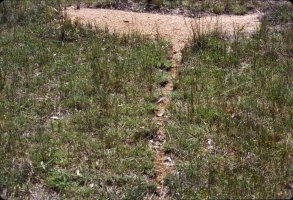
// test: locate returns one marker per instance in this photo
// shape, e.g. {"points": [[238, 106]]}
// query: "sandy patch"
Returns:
{"points": [[174, 28]]}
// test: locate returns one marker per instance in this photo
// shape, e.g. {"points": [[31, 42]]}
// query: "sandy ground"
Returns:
{"points": [[174, 28]]}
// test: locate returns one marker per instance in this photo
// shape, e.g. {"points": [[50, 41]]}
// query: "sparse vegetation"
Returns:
{"points": [[281, 14], [189, 7], [76, 107], [231, 124], [75, 110]]}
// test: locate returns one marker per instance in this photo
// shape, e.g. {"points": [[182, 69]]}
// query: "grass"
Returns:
{"points": [[281, 14], [76, 108], [231, 124], [189, 7]]}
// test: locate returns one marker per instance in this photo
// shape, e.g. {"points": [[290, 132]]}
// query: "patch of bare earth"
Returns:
{"points": [[178, 30], [174, 28]]}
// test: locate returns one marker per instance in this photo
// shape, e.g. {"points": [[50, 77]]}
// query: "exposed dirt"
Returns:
{"points": [[174, 28], [178, 30]]}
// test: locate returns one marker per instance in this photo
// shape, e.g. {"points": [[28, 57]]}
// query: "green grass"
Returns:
{"points": [[231, 124], [281, 14], [76, 110]]}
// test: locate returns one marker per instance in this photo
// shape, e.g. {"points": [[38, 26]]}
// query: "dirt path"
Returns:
{"points": [[177, 30]]}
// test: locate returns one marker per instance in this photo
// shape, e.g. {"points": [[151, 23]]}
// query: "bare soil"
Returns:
{"points": [[176, 29]]}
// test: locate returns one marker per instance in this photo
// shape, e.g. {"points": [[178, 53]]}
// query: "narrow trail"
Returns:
{"points": [[178, 30], [163, 163]]}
